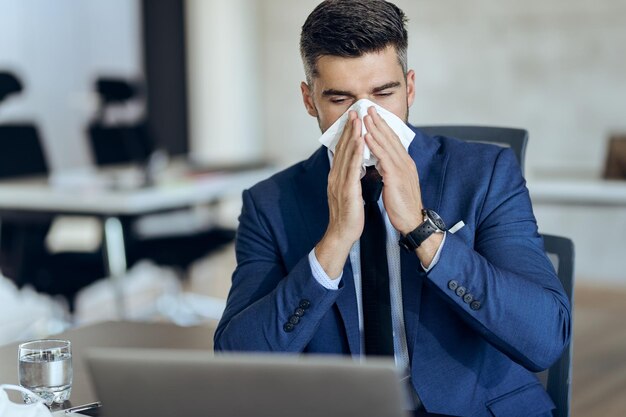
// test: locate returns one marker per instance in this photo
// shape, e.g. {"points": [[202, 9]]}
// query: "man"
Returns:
{"points": [[468, 315]]}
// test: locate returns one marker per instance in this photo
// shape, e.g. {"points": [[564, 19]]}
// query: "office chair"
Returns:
{"points": [[9, 84], [117, 142], [515, 139], [21, 155], [24, 257], [129, 141], [21, 241], [558, 383]]}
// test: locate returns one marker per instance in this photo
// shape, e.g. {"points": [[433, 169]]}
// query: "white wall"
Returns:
{"points": [[224, 80], [58, 48], [598, 235], [557, 68]]}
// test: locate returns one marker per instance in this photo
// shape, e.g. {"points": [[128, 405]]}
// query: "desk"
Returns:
{"points": [[33, 199], [580, 192], [567, 206], [110, 335]]}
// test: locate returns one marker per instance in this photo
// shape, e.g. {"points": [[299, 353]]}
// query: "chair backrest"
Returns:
{"points": [[515, 139], [9, 84], [560, 250], [21, 152], [119, 144]]}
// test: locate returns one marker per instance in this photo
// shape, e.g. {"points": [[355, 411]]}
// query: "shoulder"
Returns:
{"points": [[471, 157], [290, 180]]}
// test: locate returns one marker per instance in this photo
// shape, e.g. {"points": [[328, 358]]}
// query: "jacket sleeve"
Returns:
{"points": [[264, 297], [505, 286]]}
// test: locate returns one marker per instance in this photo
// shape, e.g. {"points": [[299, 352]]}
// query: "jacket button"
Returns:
{"points": [[453, 285], [294, 320], [460, 291], [299, 312], [305, 304], [468, 298], [475, 305], [288, 327]]}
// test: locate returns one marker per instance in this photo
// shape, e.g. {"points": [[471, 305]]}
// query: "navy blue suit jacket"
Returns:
{"points": [[464, 361]]}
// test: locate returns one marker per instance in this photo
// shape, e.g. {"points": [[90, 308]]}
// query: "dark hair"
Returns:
{"points": [[351, 28]]}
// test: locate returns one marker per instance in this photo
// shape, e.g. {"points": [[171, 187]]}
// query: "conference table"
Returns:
{"points": [[118, 197], [111, 335]]}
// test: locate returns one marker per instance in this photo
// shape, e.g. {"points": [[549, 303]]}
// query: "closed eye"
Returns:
{"points": [[340, 99]]}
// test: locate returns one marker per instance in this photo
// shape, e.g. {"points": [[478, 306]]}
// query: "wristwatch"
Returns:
{"points": [[432, 224]]}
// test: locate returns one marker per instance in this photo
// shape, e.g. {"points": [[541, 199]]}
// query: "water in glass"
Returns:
{"points": [[45, 367]]}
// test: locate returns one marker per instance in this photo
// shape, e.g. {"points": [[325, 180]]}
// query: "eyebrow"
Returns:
{"points": [[333, 92], [393, 84]]}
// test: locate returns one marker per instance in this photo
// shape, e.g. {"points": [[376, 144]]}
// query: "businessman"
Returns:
{"points": [[431, 257]]}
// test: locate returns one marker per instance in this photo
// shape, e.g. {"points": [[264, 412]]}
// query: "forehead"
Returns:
{"points": [[355, 74]]}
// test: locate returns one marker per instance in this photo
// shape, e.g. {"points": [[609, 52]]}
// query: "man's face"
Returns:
{"points": [[376, 76]]}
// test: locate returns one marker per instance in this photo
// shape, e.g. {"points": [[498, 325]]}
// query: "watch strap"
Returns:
{"points": [[415, 238]]}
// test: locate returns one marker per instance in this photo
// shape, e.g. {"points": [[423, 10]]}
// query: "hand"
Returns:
{"points": [[402, 196], [345, 203]]}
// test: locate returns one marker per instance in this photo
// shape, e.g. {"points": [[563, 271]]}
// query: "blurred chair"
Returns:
{"points": [[515, 139], [21, 241], [118, 141], [21, 155], [21, 152], [558, 379], [9, 84], [122, 139], [24, 257]]}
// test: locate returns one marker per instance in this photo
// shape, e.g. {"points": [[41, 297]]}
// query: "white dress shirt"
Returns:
{"points": [[401, 353]]}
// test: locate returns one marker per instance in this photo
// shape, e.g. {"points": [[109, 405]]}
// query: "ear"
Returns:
{"points": [[410, 87], [307, 98]]}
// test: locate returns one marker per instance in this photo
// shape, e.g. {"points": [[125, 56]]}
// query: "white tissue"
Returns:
{"points": [[333, 133], [11, 409]]}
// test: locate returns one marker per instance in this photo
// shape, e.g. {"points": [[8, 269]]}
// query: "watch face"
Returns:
{"points": [[438, 221]]}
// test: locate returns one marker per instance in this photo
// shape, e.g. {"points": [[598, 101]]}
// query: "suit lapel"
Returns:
{"points": [[347, 305], [412, 280], [431, 164], [312, 197], [313, 204]]}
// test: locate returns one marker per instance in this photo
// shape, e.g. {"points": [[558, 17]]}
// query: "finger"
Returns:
{"points": [[344, 140], [379, 152], [383, 132], [346, 133], [386, 155], [381, 123], [380, 143], [354, 149]]}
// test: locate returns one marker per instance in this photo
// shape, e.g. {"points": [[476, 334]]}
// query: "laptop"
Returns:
{"points": [[166, 383]]}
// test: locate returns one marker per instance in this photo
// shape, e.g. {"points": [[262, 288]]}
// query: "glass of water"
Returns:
{"points": [[45, 368]]}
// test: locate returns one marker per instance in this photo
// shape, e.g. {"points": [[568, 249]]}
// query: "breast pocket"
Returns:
{"points": [[527, 401], [466, 233]]}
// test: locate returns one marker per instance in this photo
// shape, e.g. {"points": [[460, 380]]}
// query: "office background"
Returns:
{"points": [[556, 68], [553, 68]]}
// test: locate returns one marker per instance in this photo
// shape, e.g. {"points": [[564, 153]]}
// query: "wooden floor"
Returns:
{"points": [[599, 380]]}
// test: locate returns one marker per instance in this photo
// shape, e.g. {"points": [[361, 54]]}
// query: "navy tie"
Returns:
{"points": [[378, 333]]}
